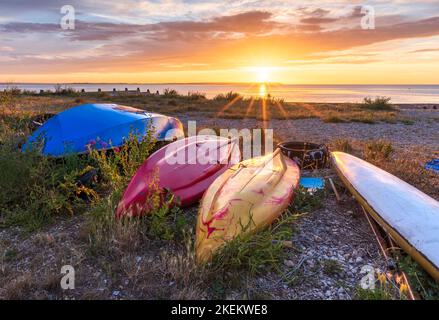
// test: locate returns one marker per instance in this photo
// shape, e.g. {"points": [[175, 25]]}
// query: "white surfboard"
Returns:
{"points": [[409, 215]]}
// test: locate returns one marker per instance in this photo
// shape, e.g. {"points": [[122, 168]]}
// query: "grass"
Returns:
{"points": [[419, 279], [375, 294], [378, 150], [256, 253], [305, 201], [332, 267], [231, 105], [377, 104], [342, 145]]}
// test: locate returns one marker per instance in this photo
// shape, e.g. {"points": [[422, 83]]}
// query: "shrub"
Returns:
{"points": [[333, 119], [170, 93], [229, 96], [341, 144], [377, 104], [196, 96], [255, 253], [35, 188], [377, 150]]}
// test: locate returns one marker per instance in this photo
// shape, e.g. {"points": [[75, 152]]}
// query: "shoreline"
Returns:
{"points": [[400, 94]]}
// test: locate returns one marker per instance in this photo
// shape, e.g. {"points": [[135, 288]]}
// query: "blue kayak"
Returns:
{"points": [[100, 126], [433, 165]]}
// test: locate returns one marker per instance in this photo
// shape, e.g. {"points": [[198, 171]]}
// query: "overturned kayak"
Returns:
{"points": [[100, 126], [185, 167], [247, 197], [410, 216]]}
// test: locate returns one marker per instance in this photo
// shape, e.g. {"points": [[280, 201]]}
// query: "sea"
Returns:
{"points": [[412, 94]]}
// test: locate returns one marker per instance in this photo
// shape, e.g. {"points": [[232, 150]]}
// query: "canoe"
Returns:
{"points": [[101, 126], [185, 167], [410, 216], [245, 198]]}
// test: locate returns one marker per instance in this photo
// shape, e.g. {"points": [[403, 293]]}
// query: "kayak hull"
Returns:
{"points": [[247, 197], [185, 167], [407, 214], [99, 126]]}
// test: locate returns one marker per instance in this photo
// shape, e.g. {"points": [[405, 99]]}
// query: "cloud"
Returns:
{"points": [[318, 20], [425, 50], [248, 22], [222, 41], [6, 49]]}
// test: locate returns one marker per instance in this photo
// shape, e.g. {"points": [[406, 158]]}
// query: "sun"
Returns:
{"points": [[262, 74]]}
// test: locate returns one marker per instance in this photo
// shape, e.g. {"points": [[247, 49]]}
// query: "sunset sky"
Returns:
{"points": [[298, 42]]}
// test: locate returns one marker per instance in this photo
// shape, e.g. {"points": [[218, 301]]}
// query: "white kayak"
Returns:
{"points": [[410, 216]]}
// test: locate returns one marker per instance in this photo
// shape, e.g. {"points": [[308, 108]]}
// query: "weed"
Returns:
{"points": [[407, 122], [35, 187], [196, 96], [229, 96], [420, 281], [255, 253], [377, 149], [377, 104], [19, 288], [170, 93], [333, 119], [341, 144], [304, 201], [332, 267], [10, 255], [372, 294], [364, 118]]}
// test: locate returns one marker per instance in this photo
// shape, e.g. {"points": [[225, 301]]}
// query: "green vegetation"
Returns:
{"points": [[377, 104], [333, 119], [375, 294], [258, 252], [378, 150], [332, 267], [231, 105], [35, 188], [407, 122], [304, 201], [341, 144], [420, 281]]}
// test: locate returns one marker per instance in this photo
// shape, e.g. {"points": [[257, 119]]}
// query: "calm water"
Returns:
{"points": [[299, 93]]}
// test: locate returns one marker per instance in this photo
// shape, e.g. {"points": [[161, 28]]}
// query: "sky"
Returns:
{"points": [[174, 41]]}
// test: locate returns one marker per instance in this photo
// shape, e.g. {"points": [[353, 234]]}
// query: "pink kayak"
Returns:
{"points": [[185, 167]]}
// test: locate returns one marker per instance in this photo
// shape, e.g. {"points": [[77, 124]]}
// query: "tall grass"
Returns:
{"points": [[377, 104]]}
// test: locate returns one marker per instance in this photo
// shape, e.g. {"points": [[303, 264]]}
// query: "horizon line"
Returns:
{"points": [[225, 83]]}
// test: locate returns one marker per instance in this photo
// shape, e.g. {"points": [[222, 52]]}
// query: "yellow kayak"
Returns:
{"points": [[246, 197]]}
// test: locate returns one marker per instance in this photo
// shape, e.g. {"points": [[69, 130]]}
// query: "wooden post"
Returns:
{"points": [[337, 196]]}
